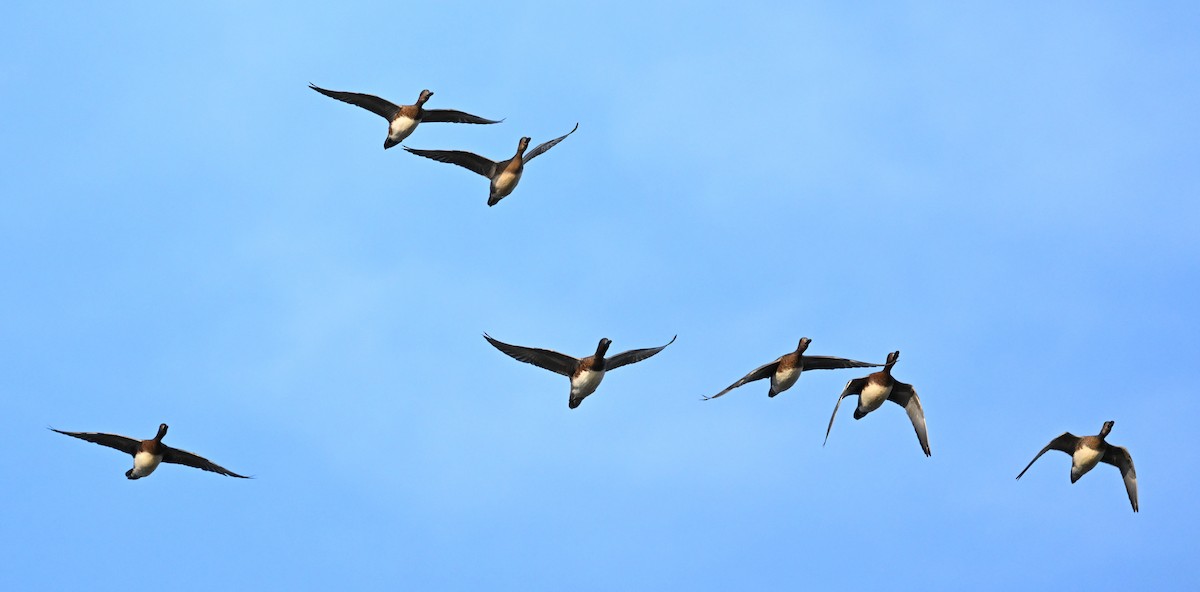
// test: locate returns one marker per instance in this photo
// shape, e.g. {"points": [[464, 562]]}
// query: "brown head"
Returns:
{"points": [[803, 345], [602, 347], [891, 359], [162, 431], [1107, 428], [425, 94], [522, 145]]}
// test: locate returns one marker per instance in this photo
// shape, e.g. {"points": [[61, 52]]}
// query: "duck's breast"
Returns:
{"points": [[144, 463], [1083, 460], [401, 127], [784, 378], [506, 181], [873, 395], [585, 383]]}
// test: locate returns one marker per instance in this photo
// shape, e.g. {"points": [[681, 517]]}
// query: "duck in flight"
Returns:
{"points": [[402, 119], [147, 454], [504, 174], [585, 373], [786, 369], [1088, 451], [874, 389]]}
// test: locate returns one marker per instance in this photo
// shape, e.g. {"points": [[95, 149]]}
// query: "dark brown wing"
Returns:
{"points": [[1066, 443], [759, 373], [542, 358], [854, 387], [127, 445], [632, 356], [905, 396], [467, 160], [547, 145], [452, 116], [1119, 457], [383, 108], [183, 457], [831, 363]]}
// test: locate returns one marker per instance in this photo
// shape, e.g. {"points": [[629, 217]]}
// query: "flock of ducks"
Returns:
{"points": [[586, 373]]}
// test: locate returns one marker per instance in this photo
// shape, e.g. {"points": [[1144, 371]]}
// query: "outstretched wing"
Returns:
{"points": [[452, 116], [832, 363], [127, 445], [383, 108], [547, 145], [1066, 443], [633, 355], [854, 387], [467, 160], [542, 358], [1118, 457], [183, 457], [904, 395], [759, 373]]}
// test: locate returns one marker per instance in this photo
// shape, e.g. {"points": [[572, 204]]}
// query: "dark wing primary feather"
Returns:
{"points": [[547, 145], [542, 358], [1066, 443], [1118, 456], [183, 457], [632, 356], [127, 445], [904, 395], [854, 387], [759, 373], [831, 363], [467, 160], [452, 116], [381, 107]]}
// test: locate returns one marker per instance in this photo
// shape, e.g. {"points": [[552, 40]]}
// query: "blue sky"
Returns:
{"points": [[1006, 194]]}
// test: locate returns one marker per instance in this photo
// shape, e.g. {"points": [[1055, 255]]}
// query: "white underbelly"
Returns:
{"points": [[783, 380], [144, 463], [1083, 460], [872, 397], [400, 128], [586, 383], [505, 183]]}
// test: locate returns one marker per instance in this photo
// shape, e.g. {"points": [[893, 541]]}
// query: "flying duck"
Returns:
{"points": [[786, 369], [1088, 451], [586, 373], [878, 387], [402, 119], [504, 174], [147, 454]]}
